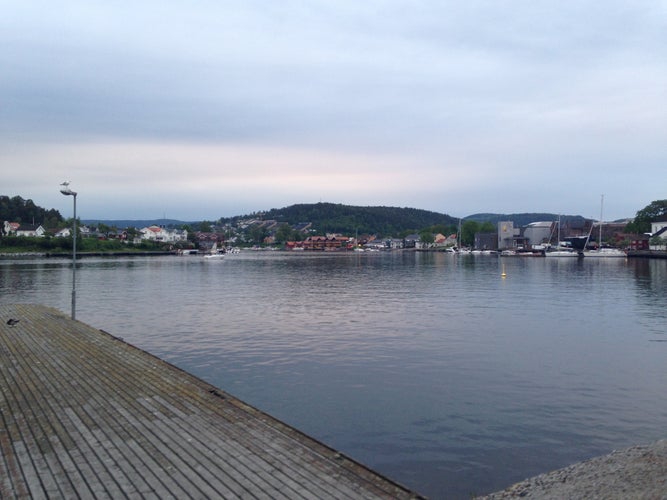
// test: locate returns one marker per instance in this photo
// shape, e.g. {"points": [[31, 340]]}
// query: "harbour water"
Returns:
{"points": [[431, 368]]}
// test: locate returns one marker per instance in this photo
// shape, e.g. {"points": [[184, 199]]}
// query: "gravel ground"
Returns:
{"points": [[639, 472]]}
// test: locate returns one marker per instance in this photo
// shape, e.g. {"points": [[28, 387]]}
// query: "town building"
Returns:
{"points": [[326, 243], [539, 233]]}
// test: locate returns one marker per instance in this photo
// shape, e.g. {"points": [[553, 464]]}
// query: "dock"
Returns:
{"points": [[86, 415]]}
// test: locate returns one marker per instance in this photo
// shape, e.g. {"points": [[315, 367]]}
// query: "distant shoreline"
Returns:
{"points": [[640, 254], [68, 255]]}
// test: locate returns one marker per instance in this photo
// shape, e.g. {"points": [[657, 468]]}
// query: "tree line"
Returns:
{"points": [[16, 209]]}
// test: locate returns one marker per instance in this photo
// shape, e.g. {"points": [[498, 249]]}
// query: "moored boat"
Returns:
{"points": [[601, 251], [605, 252], [562, 253]]}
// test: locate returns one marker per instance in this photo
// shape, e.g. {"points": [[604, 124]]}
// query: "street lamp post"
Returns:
{"points": [[68, 192]]}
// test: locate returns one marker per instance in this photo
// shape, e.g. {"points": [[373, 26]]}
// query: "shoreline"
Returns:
{"points": [[68, 255], [636, 472]]}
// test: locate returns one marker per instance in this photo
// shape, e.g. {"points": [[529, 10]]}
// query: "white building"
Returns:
{"points": [[162, 235], [659, 230], [18, 229], [659, 224]]}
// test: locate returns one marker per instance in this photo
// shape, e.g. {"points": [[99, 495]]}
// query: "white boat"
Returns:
{"points": [[215, 253], [605, 252], [560, 251], [601, 251]]}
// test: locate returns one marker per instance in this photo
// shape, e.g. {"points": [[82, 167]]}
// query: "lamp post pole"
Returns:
{"points": [[68, 192]]}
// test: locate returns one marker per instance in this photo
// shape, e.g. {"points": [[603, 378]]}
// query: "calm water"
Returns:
{"points": [[430, 368]]}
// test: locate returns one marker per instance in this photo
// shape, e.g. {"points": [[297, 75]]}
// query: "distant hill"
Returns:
{"points": [[521, 220], [120, 223], [347, 219]]}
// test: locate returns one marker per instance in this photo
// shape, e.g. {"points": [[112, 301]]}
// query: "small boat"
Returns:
{"points": [[214, 253]]}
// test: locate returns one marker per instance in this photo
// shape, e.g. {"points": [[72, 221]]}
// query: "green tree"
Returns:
{"points": [[644, 217], [16, 209], [487, 227], [426, 236], [468, 230], [286, 233], [657, 241], [257, 233], [442, 229], [132, 233]]}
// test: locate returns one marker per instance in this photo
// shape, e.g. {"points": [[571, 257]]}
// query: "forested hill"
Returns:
{"points": [[16, 209], [347, 219]]}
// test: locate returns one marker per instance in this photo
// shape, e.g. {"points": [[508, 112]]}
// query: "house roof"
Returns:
{"points": [[29, 227]]}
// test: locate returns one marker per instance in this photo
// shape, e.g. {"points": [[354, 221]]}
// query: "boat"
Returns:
{"points": [[601, 251], [605, 252], [560, 251], [214, 253]]}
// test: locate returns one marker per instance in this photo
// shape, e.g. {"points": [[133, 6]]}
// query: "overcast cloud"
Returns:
{"points": [[197, 110]]}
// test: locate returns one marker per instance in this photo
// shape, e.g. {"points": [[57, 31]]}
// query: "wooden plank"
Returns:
{"points": [[87, 415]]}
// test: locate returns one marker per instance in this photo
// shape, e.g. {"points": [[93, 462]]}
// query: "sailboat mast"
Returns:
{"points": [[601, 206], [458, 239]]}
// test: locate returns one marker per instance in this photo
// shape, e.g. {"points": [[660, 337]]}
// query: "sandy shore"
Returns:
{"points": [[639, 472]]}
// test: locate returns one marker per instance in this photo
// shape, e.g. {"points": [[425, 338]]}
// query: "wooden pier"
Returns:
{"points": [[86, 415]]}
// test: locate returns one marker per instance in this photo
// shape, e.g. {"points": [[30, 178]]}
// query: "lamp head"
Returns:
{"points": [[66, 189]]}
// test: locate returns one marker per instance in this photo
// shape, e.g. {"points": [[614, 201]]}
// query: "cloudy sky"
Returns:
{"points": [[197, 110]]}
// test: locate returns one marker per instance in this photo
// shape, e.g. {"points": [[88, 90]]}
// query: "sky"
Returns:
{"points": [[206, 109]]}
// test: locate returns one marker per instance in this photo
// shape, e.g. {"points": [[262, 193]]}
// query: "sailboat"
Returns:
{"points": [[560, 251], [600, 251], [215, 253]]}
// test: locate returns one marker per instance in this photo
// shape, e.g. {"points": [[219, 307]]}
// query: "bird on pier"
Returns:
{"points": [[12, 321]]}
